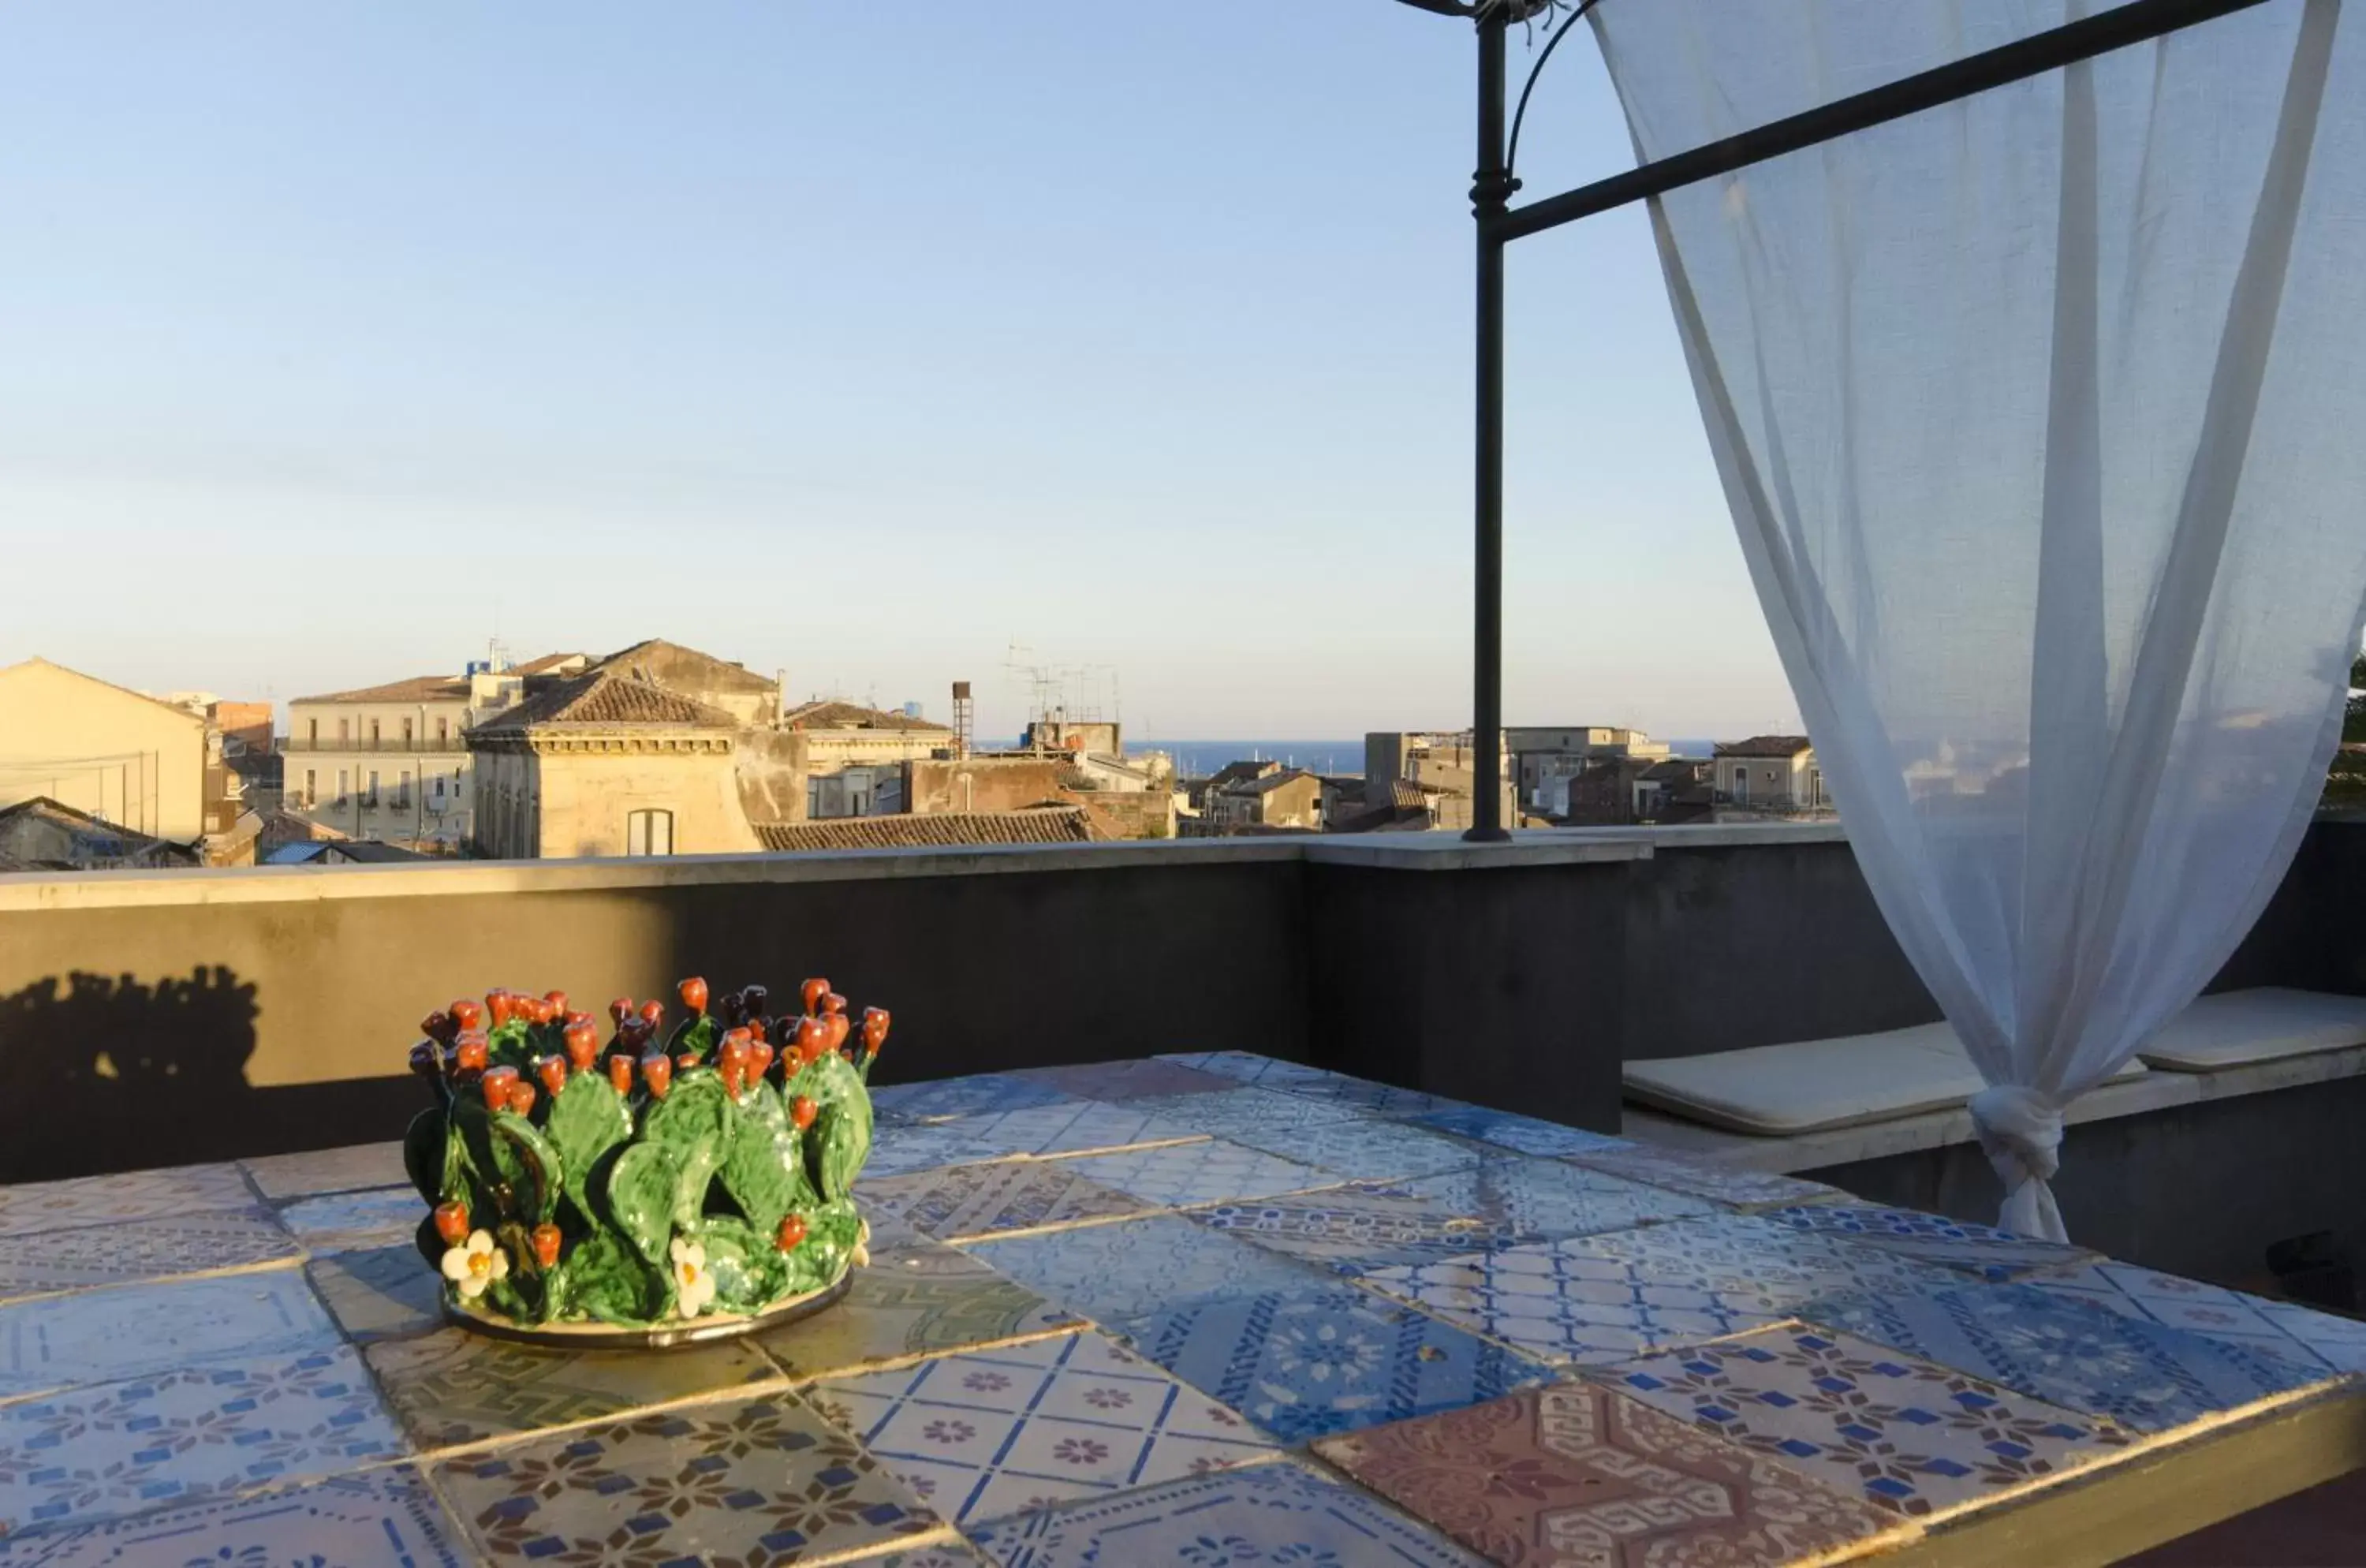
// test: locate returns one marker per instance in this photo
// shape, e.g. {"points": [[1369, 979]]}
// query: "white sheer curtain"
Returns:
{"points": [[2042, 418]]}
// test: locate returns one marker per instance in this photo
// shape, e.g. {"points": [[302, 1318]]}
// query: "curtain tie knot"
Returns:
{"points": [[2020, 1130]]}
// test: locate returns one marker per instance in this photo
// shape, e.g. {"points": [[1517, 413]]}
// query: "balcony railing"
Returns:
{"points": [[420, 746]]}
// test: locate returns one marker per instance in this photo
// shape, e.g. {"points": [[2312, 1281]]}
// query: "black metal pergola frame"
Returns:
{"points": [[1499, 224]]}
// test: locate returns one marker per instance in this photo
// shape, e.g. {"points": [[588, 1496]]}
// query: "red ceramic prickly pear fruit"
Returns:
{"points": [[836, 1027], [582, 1046], [619, 1010], [557, 1001], [620, 1073], [813, 992], [802, 1110], [831, 1002], [652, 1013], [438, 1027], [522, 1098], [657, 1071], [693, 994], [466, 1015], [452, 1222], [546, 1246], [875, 1029], [470, 1052], [501, 1005], [496, 1086], [759, 1061], [792, 1233], [552, 1071]]}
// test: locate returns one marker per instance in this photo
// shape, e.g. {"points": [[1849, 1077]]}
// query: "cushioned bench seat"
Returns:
{"points": [[1810, 1086], [2235, 1029]]}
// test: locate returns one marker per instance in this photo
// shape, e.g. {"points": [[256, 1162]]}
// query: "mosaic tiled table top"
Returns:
{"points": [[1206, 1309]]}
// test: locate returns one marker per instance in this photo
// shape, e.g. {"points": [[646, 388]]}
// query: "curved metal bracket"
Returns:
{"points": [[1544, 56]]}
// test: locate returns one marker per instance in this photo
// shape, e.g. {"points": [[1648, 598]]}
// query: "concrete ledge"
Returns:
{"points": [[1943, 1129]]}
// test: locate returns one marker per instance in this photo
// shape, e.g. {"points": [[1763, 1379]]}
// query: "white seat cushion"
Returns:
{"points": [[1808, 1086], [2236, 1027]]}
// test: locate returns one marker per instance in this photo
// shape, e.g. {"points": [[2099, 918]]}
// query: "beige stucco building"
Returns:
{"points": [[1770, 773], [100, 749], [604, 765], [391, 762]]}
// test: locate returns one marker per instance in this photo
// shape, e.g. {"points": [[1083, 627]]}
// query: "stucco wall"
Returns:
{"points": [[100, 749], [584, 798]]}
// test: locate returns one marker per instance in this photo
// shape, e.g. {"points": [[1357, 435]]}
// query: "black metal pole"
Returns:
{"points": [[1491, 189]]}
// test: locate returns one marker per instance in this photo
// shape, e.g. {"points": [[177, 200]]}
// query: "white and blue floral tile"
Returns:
{"points": [[354, 1221], [1006, 1195], [1977, 1249], [113, 1450], [1272, 1514], [1137, 1080], [2279, 1329], [1236, 1112], [1368, 1149], [1215, 1170], [1521, 1135], [132, 1330], [1559, 1303], [1309, 1363], [988, 1433], [1544, 1200], [1905, 1433], [941, 1100], [1071, 1127], [127, 1250], [373, 1519], [1351, 1229], [1744, 1253], [1122, 1270], [1246, 1067], [1371, 1098], [1730, 1185], [2146, 1376], [931, 1146]]}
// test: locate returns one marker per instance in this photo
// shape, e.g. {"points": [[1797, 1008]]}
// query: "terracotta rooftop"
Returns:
{"points": [[544, 665], [660, 662], [1766, 746], [603, 699], [829, 714], [1053, 825], [418, 689]]}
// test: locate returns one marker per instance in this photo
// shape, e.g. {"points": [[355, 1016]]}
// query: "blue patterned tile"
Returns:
{"points": [[113, 1450], [1118, 1081], [1350, 1229], [1732, 1186], [1545, 1200], [376, 1518], [1276, 1514], [1977, 1249], [2279, 1329], [1108, 1272], [1312, 1362], [1368, 1149], [1369, 1097], [1522, 1134], [133, 1330], [983, 1434], [901, 1150], [941, 1100], [1072, 1127], [1239, 1112], [1247, 1067], [1907, 1434], [1212, 1172], [128, 1250], [978, 1200], [2144, 1376], [1562, 1304], [354, 1221]]}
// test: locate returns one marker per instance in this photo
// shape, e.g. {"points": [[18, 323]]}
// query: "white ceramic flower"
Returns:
{"points": [[694, 1287], [475, 1264]]}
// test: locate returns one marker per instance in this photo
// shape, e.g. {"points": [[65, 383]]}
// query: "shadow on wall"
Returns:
{"points": [[104, 1073]]}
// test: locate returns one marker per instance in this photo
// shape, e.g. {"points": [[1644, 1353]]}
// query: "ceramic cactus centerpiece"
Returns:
{"points": [[637, 1190]]}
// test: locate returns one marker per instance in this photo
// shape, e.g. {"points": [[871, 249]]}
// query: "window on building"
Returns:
{"points": [[402, 791], [312, 788], [1741, 786], [312, 733], [443, 730], [373, 732], [649, 832], [345, 730], [344, 785], [369, 796], [439, 786], [406, 735]]}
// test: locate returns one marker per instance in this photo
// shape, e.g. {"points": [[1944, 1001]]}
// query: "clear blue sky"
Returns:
{"points": [[857, 340]]}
